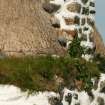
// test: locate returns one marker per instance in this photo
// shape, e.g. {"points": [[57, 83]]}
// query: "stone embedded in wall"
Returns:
{"points": [[68, 98], [80, 30], [75, 96], [92, 11], [102, 86], [89, 51], [84, 37], [92, 4], [62, 41], [83, 21], [54, 101], [85, 29], [100, 101], [91, 95], [85, 10], [71, 21], [77, 20], [74, 7], [90, 22]]}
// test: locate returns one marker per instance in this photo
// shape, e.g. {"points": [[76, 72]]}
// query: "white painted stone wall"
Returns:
{"points": [[63, 12], [11, 95]]}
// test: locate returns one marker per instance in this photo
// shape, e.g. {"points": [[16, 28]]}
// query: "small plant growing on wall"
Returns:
{"points": [[75, 50]]}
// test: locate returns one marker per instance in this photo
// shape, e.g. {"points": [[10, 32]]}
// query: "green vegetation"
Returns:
{"points": [[100, 60], [37, 73], [75, 50]]}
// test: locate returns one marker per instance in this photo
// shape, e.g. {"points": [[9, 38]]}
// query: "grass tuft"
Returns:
{"points": [[37, 73]]}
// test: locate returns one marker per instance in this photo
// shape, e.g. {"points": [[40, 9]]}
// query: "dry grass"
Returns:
{"points": [[38, 73]]}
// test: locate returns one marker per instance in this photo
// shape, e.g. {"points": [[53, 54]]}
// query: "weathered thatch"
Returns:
{"points": [[25, 28], [100, 47]]}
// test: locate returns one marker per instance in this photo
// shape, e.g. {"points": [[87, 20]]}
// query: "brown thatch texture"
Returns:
{"points": [[25, 28], [100, 47]]}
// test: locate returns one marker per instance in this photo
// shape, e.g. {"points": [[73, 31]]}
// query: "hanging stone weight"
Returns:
{"points": [[50, 8], [55, 22], [62, 41]]}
